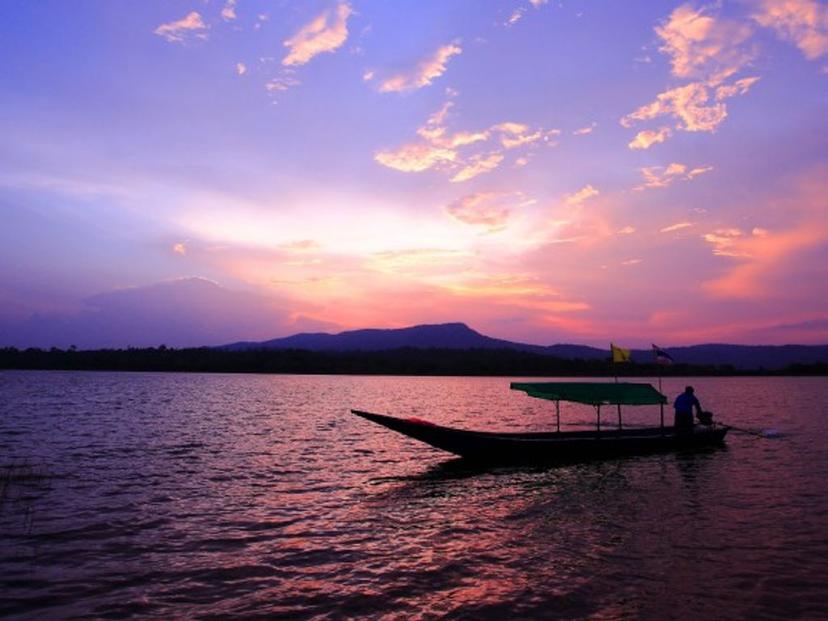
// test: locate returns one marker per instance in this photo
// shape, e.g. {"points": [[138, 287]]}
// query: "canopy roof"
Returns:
{"points": [[624, 393]]}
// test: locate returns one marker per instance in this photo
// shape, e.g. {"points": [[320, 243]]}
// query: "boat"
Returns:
{"points": [[563, 446]]}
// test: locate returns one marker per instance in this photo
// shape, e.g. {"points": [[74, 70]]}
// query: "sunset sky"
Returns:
{"points": [[200, 171]]}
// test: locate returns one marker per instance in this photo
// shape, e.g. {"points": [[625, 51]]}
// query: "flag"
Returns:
{"points": [[619, 354], [661, 356]]}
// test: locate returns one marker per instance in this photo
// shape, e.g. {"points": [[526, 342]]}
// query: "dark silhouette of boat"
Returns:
{"points": [[561, 446]]}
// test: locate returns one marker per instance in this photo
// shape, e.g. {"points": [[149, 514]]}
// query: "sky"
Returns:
{"points": [[194, 172]]}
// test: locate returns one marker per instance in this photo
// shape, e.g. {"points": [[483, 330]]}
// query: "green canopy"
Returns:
{"points": [[593, 393]]}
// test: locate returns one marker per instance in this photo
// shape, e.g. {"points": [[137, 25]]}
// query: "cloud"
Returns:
{"points": [[725, 242], [491, 210], [191, 25], [582, 131], [809, 324], [801, 22], [241, 68], [477, 165], [647, 138], [661, 177], [424, 73], [434, 131], [464, 154], [702, 45], [180, 248], [538, 3], [515, 17], [325, 33], [675, 227], [700, 170], [627, 230], [708, 49], [691, 105], [770, 262], [581, 195], [739, 87], [419, 262], [281, 83], [186, 312], [517, 134], [228, 12], [415, 157]]}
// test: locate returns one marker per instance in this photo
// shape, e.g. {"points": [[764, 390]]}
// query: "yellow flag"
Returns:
{"points": [[619, 354]]}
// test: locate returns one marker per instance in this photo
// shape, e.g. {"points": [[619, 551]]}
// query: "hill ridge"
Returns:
{"points": [[458, 335]]}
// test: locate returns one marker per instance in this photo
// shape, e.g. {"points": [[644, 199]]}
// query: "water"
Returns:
{"points": [[181, 496]]}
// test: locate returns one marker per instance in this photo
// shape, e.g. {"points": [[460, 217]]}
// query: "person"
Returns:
{"points": [[684, 405]]}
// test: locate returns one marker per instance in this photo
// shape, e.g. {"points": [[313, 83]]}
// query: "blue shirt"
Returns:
{"points": [[684, 403]]}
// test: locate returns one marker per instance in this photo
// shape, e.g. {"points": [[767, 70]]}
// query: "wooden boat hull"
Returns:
{"points": [[549, 446]]}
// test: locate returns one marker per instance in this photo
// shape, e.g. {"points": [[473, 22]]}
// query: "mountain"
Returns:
{"points": [[445, 335], [460, 336]]}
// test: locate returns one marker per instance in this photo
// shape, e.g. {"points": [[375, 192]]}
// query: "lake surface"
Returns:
{"points": [[250, 496]]}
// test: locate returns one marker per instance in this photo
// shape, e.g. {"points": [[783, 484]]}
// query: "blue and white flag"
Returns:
{"points": [[661, 356]]}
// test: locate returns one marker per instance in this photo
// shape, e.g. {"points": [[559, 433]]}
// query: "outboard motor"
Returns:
{"points": [[705, 418]]}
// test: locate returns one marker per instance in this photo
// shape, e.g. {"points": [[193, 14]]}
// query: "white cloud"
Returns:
{"points": [[191, 25], [424, 73], [241, 68], [325, 33]]}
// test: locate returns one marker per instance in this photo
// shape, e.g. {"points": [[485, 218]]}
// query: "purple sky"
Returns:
{"points": [[201, 171]]}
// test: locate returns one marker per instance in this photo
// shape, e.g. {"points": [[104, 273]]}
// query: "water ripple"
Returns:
{"points": [[216, 496]]}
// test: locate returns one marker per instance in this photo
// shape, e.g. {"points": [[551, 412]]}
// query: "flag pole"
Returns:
{"points": [[614, 367]]}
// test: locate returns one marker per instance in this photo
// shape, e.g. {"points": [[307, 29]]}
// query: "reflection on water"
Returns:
{"points": [[175, 496]]}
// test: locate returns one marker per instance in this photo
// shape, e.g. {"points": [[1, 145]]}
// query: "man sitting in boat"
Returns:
{"points": [[684, 405]]}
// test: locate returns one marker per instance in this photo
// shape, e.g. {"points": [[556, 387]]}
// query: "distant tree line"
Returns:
{"points": [[404, 361]]}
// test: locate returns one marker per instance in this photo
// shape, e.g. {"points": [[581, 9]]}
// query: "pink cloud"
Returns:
{"points": [[327, 32], [191, 25], [424, 73], [802, 22]]}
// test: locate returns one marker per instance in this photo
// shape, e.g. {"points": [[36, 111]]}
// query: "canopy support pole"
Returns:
{"points": [[620, 426], [598, 408], [558, 415]]}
